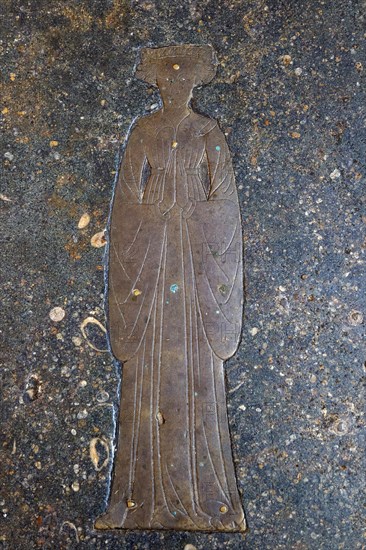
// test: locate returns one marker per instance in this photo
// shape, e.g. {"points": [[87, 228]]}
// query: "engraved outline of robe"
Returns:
{"points": [[143, 248]]}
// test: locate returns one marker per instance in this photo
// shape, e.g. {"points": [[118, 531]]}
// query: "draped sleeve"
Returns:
{"points": [[217, 252], [222, 180], [129, 185], [136, 237]]}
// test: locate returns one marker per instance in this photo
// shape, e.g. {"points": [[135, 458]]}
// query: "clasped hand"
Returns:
{"points": [[165, 209]]}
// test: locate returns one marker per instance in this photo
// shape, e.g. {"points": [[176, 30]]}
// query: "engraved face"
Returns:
{"points": [[176, 80]]}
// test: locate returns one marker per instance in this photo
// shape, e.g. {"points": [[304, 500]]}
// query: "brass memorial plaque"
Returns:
{"points": [[175, 309]]}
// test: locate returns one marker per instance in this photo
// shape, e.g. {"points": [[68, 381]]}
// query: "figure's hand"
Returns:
{"points": [[163, 210], [189, 208]]}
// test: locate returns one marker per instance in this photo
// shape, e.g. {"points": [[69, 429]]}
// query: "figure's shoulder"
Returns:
{"points": [[204, 123], [142, 124]]}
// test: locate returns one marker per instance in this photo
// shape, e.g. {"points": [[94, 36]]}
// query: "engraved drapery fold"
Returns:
{"points": [[214, 234], [175, 314]]}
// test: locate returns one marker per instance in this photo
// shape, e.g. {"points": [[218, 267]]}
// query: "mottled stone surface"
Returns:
{"points": [[289, 94]]}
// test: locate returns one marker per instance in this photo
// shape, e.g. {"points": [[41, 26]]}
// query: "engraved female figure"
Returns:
{"points": [[175, 309]]}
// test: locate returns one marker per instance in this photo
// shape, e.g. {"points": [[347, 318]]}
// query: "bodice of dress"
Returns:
{"points": [[174, 156]]}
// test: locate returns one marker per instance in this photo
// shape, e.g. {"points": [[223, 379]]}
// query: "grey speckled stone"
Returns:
{"points": [[290, 95]]}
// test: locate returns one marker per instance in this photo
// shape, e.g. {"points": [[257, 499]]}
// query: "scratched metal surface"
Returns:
{"points": [[289, 94]]}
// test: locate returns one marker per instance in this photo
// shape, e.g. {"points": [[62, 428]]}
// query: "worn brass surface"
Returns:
{"points": [[175, 309]]}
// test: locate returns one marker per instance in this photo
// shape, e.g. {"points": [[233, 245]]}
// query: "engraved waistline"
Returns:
{"points": [[188, 171]]}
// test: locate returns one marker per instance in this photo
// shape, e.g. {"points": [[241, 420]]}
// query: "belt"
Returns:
{"points": [[188, 171]]}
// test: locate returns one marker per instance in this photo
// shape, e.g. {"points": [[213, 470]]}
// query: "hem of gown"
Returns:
{"points": [[106, 522], [101, 525]]}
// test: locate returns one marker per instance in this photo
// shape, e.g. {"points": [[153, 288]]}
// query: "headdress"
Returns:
{"points": [[203, 55]]}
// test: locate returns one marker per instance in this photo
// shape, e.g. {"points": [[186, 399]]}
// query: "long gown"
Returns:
{"points": [[175, 313]]}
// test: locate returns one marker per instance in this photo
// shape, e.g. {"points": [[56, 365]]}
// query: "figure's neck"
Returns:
{"points": [[176, 112]]}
